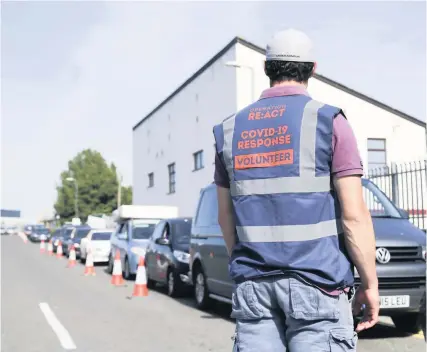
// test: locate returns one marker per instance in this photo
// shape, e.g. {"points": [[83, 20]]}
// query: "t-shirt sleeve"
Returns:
{"points": [[221, 175], [346, 160]]}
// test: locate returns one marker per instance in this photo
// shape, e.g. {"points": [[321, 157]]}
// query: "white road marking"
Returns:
{"points": [[62, 333]]}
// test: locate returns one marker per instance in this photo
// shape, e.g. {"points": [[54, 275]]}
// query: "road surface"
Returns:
{"points": [[47, 307]]}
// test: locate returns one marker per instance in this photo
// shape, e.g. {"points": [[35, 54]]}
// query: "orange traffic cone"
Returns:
{"points": [[50, 248], [117, 278], [72, 257], [140, 289], [42, 249], [89, 268], [23, 237], [59, 250]]}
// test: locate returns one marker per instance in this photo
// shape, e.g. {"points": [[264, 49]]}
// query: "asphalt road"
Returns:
{"points": [[47, 307]]}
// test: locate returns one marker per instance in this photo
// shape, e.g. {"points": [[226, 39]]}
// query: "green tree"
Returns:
{"points": [[97, 187], [126, 195]]}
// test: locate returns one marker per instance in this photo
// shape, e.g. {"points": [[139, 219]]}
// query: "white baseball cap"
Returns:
{"points": [[290, 45]]}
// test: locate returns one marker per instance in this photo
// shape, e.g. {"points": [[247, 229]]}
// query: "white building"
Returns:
{"points": [[173, 146]]}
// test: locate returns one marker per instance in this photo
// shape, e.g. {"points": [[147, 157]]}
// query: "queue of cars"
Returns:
{"points": [[188, 255], [37, 232]]}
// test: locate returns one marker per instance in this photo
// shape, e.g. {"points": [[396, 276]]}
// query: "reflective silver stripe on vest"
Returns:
{"points": [[289, 233], [228, 131], [307, 181]]}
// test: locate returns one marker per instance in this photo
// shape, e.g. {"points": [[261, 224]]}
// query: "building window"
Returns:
{"points": [[376, 153], [198, 160], [151, 179], [171, 170]]}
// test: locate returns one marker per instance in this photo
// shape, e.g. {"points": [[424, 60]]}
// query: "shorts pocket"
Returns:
{"points": [[245, 303], [310, 303], [342, 340]]}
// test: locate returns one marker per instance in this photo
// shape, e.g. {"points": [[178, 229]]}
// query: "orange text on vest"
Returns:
{"points": [[271, 159]]}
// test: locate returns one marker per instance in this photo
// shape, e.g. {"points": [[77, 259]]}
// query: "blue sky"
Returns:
{"points": [[79, 75]]}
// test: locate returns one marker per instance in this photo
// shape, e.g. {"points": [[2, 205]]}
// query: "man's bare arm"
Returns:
{"points": [[226, 217], [358, 228]]}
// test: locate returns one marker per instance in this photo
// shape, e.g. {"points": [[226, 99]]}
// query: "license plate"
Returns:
{"points": [[394, 301]]}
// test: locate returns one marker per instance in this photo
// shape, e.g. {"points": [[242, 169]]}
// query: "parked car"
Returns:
{"points": [[78, 233], [62, 234], [10, 230], [401, 255], [99, 243], [27, 229], [136, 224], [167, 255], [55, 235], [39, 233]]}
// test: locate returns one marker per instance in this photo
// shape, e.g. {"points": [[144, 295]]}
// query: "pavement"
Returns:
{"points": [[47, 307]]}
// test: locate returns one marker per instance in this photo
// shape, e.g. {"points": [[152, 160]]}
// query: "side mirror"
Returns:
{"points": [[403, 213], [163, 241]]}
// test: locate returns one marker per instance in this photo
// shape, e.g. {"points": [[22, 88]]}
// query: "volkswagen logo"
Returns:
{"points": [[383, 255]]}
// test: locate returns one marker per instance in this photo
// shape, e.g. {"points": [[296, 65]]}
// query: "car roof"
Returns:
{"points": [[211, 185]]}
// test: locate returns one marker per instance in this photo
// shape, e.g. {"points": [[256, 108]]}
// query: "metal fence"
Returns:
{"points": [[406, 186]]}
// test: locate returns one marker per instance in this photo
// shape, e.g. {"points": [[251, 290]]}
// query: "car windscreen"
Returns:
{"points": [[101, 236], [142, 231], [80, 233], [379, 205], [181, 231], [67, 233]]}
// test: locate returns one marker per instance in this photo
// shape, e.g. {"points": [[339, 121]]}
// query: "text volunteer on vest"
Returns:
{"points": [[291, 210]]}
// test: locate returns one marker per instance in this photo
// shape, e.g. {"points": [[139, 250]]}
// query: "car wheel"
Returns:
{"points": [[201, 292], [407, 322], [150, 283], [110, 264], [174, 284]]}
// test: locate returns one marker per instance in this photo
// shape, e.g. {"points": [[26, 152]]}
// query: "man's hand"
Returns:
{"points": [[370, 299]]}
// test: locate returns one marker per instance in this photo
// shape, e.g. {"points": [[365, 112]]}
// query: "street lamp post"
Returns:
{"points": [[76, 194], [239, 65]]}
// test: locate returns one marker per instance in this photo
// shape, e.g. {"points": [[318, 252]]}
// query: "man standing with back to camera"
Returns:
{"points": [[292, 214]]}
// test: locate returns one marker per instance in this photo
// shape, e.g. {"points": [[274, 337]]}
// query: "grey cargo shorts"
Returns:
{"points": [[284, 314]]}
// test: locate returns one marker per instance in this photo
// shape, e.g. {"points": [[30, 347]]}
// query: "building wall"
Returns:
{"points": [[180, 128], [245, 88], [405, 141]]}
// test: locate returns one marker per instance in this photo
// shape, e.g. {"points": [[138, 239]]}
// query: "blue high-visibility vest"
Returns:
{"points": [[278, 154]]}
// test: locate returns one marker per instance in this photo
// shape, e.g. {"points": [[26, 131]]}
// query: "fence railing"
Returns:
{"points": [[406, 186]]}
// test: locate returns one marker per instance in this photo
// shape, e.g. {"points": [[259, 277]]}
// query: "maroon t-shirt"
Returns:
{"points": [[346, 159]]}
